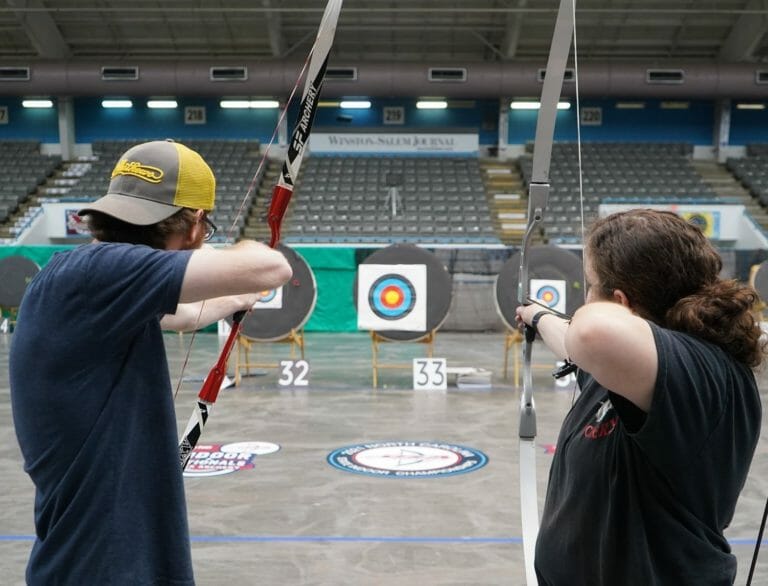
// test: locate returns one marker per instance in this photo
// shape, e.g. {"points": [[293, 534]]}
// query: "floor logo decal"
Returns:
{"points": [[407, 459], [219, 459]]}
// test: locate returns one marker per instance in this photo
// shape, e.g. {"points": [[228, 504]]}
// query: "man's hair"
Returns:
{"points": [[106, 228], [670, 272]]}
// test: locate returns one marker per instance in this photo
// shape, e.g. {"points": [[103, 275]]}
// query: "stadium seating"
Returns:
{"points": [[752, 171], [23, 169], [234, 163], [615, 172], [350, 200]]}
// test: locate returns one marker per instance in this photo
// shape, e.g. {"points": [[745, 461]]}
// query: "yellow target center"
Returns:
{"points": [[392, 297]]}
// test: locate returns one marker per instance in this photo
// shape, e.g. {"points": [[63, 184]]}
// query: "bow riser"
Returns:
{"points": [[318, 60], [538, 196], [281, 194], [192, 433]]}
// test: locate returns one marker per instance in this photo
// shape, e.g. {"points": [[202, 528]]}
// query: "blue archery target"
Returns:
{"points": [[392, 297], [549, 292], [270, 299]]}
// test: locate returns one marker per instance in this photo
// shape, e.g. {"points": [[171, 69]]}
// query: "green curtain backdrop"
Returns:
{"points": [[334, 270]]}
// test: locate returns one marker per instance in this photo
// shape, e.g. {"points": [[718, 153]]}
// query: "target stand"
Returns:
{"points": [[512, 339], [15, 274], [278, 317], [556, 277], [376, 339], [402, 294], [245, 344]]}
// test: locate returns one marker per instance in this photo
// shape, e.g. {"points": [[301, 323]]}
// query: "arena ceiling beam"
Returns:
{"points": [[512, 34], [40, 28], [274, 21], [746, 34]]}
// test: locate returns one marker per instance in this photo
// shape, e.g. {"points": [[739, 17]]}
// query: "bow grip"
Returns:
{"points": [[281, 197], [530, 334]]}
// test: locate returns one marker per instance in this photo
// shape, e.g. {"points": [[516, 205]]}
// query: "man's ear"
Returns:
{"points": [[620, 297]]}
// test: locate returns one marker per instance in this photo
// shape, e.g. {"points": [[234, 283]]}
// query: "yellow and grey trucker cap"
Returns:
{"points": [[154, 180]]}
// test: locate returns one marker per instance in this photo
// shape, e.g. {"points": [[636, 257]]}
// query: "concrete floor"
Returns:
{"points": [[295, 520]]}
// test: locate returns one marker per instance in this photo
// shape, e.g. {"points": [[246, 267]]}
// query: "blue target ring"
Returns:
{"points": [[392, 297], [548, 295]]}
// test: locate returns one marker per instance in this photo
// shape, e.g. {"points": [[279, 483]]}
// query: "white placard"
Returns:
{"points": [[194, 115], [294, 373], [430, 374], [392, 297], [550, 292], [408, 143]]}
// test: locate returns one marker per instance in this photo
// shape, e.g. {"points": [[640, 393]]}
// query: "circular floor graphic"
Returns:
{"points": [[407, 459]]}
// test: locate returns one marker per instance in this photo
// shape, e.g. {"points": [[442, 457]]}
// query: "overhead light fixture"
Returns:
{"points": [[431, 104], [265, 104], [750, 106], [162, 103], [246, 104], [675, 105], [531, 105], [630, 105], [328, 104], [37, 103], [116, 104], [355, 104], [235, 104]]}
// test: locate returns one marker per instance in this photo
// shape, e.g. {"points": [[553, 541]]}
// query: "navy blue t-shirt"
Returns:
{"points": [[638, 499], [94, 417]]}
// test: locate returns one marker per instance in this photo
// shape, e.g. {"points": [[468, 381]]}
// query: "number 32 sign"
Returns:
{"points": [[294, 373]]}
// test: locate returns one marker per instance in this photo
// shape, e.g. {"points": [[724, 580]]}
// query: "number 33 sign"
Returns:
{"points": [[429, 374]]}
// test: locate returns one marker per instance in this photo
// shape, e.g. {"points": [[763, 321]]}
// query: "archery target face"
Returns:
{"points": [[392, 297], [270, 299], [549, 292]]}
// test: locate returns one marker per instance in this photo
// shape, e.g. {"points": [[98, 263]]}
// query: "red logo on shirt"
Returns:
{"points": [[601, 427]]}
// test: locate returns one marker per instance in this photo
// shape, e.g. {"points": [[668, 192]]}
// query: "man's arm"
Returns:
{"points": [[200, 314], [246, 267]]}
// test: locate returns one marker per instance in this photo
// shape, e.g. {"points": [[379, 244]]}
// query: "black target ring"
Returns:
{"points": [[392, 297]]}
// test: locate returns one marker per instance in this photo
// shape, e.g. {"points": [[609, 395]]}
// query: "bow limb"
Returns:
{"points": [[281, 194], [538, 195], [318, 61]]}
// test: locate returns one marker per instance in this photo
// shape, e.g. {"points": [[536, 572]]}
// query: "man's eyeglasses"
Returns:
{"points": [[210, 228]]}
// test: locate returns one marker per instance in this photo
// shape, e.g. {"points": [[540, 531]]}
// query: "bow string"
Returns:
{"points": [[317, 62]]}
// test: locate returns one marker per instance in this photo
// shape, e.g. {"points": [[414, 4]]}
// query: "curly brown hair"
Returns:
{"points": [[670, 272], [106, 228]]}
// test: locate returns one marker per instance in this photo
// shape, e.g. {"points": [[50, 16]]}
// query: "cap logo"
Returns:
{"points": [[145, 172]]}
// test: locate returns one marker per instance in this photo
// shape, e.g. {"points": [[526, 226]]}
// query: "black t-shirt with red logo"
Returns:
{"points": [[643, 499]]}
